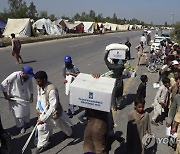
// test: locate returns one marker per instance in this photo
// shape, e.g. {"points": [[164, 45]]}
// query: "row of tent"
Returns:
{"points": [[23, 27]]}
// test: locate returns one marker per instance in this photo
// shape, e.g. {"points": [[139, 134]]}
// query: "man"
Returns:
{"points": [[161, 102], [141, 91], [18, 90], [143, 39], [5, 140], [49, 111], [140, 53], [176, 128], [16, 48], [117, 74], [96, 131], [128, 53], [69, 71], [148, 38], [156, 35], [174, 106]]}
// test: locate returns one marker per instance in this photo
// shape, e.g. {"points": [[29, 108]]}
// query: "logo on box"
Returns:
{"points": [[90, 95]]}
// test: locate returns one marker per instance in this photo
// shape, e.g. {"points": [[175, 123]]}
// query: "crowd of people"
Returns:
{"points": [[18, 91]]}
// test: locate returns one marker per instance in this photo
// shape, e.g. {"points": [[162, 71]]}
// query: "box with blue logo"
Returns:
{"points": [[88, 92], [117, 51]]}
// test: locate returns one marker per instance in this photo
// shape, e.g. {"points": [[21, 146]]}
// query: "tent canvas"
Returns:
{"points": [[20, 27], [78, 26], [2, 24], [113, 27], [122, 27], [88, 27], [50, 26], [107, 26]]}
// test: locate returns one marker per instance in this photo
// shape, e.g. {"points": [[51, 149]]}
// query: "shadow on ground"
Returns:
{"points": [[78, 134], [28, 62], [118, 137], [127, 100]]}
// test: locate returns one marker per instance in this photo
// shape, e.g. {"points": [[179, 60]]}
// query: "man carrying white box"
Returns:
{"points": [[117, 68], [95, 96]]}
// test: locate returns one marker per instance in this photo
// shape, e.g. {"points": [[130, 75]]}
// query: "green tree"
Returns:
{"points": [[65, 17], [100, 18], [43, 14], [177, 31], [22, 11], [77, 17], [165, 24], [92, 14], [14, 4], [32, 12], [52, 17], [114, 18]]}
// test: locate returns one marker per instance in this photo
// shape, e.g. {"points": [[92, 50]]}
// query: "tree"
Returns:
{"points": [[22, 11], [14, 4], [165, 24], [32, 12], [65, 17], [77, 17], [152, 23], [43, 14], [52, 17], [100, 18], [177, 31], [92, 14], [114, 18]]}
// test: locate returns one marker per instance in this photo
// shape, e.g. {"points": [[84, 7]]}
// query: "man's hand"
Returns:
{"points": [[38, 112], [65, 81], [39, 122], [96, 75], [7, 97], [68, 73], [163, 105], [168, 125], [173, 130]]}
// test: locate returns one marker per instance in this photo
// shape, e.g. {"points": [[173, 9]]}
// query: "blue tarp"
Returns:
{"points": [[2, 24]]}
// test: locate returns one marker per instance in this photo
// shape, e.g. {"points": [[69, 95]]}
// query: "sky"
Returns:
{"points": [[156, 11]]}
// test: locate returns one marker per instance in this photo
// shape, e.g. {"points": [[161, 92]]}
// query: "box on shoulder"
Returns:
{"points": [[89, 92]]}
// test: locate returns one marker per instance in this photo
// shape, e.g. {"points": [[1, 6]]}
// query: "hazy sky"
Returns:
{"points": [[157, 11]]}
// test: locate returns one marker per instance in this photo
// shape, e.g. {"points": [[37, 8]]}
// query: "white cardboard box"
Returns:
{"points": [[117, 54], [88, 92]]}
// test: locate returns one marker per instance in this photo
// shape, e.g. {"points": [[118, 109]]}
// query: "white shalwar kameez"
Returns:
{"points": [[45, 130], [15, 87]]}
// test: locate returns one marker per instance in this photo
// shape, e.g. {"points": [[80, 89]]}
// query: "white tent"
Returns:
{"points": [[50, 27], [20, 27], [122, 27], [107, 26], [88, 27], [139, 26], [113, 27]]}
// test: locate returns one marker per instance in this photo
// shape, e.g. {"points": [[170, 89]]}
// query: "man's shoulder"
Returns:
{"points": [[177, 98]]}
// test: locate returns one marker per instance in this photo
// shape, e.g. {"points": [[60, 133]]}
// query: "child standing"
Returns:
{"points": [[138, 126], [160, 101], [141, 91], [69, 69]]}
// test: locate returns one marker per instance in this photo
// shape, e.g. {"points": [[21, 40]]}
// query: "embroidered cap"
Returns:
{"points": [[28, 71]]}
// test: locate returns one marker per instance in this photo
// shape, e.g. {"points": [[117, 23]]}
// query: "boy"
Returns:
{"points": [[141, 91], [138, 126], [160, 101], [69, 69]]}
